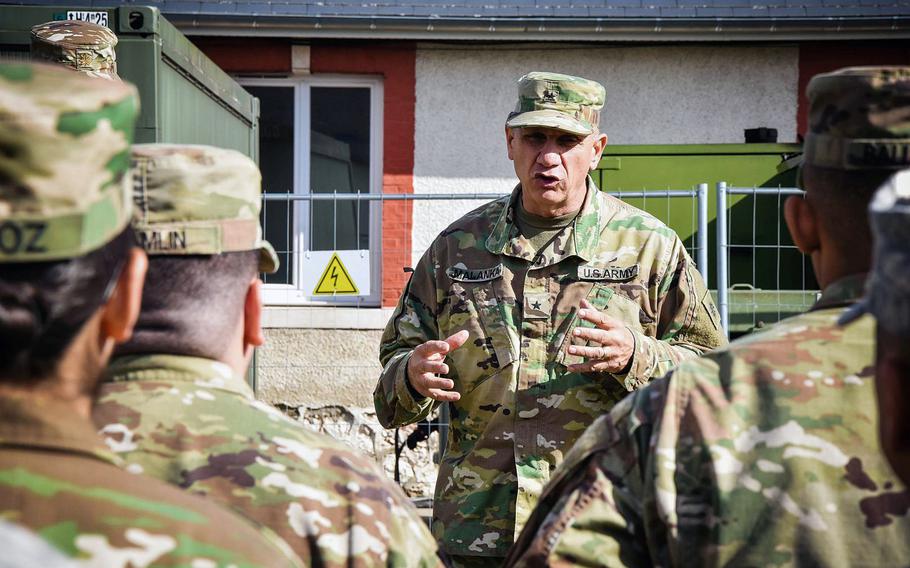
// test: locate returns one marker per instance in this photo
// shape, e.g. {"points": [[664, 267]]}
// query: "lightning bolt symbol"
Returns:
{"points": [[334, 276]]}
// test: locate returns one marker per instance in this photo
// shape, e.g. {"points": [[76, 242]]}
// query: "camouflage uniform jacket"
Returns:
{"points": [[23, 548], [191, 422], [762, 454], [58, 479], [520, 410]]}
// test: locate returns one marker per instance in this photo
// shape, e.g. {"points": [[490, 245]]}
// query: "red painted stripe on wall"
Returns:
{"points": [[395, 62], [822, 57]]}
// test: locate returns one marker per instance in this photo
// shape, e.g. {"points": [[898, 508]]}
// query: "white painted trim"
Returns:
{"points": [[323, 317], [291, 294]]}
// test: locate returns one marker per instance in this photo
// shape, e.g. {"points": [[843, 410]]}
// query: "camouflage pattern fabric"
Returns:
{"points": [[23, 548], [58, 479], [193, 199], [520, 410], [190, 422], [81, 46], [761, 454], [554, 100], [64, 150], [859, 119]]}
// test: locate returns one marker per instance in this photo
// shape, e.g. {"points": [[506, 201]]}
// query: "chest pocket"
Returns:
{"points": [[488, 315], [496, 319], [606, 300]]}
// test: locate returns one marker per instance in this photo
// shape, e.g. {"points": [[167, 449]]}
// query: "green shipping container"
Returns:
{"points": [[769, 278], [186, 98]]}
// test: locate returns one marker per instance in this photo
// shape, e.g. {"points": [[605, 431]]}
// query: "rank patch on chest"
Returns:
{"points": [[607, 273], [537, 306], [460, 273]]}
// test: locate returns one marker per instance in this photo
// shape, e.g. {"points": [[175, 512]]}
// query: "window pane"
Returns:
{"points": [[339, 161], [276, 160]]}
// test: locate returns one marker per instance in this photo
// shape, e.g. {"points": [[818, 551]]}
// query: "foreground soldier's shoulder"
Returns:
{"points": [[73, 502], [225, 537], [385, 516], [615, 438], [353, 477]]}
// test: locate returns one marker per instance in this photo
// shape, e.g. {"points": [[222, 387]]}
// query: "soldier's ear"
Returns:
{"points": [[252, 315], [509, 142], [600, 142], [802, 221], [119, 314]]}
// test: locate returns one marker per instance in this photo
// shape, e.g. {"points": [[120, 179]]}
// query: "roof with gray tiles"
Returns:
{"points": [[522, 9]]}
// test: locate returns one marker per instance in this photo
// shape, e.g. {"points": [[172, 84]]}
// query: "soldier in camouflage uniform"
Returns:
{"points": [[70, 288], [176, 405], [548, 306], [81, 46], [888, 300], [764, 453]]}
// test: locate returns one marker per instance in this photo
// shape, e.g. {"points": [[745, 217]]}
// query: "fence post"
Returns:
{"points": [[702, 239], [723, 284]]}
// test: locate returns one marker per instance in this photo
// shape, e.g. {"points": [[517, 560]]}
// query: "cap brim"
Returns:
{"points": [[102, 75], [268, 258], [549, 119], [853, 313]]}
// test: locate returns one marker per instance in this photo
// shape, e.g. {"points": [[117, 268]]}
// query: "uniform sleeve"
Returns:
{"points": [[688, 322], [591, 514], [413, 323]]}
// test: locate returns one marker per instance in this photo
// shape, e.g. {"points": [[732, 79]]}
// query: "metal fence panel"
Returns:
{"points": [[761, 277]]}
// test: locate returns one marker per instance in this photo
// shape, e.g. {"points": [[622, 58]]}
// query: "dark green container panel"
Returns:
{"points": [[185, 97]]}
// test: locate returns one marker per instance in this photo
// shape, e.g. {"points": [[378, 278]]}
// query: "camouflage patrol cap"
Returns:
{"points": [[553, 100], [888, 288], [82, 46], [859, 119], [198, 200], [64, 153]]}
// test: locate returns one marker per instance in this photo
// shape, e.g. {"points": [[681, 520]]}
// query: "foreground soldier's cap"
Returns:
{"points": [[859, 119], [64, 153], [198, 200], [82, 46], [888, 288], [553, 100]]}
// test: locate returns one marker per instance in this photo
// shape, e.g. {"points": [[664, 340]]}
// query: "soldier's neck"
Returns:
{"points": [[169, 339], [832, 265], [74, 381]]}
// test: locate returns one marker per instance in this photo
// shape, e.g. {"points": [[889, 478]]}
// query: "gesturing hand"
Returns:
{"points": [[617, 344], [427, 361]]}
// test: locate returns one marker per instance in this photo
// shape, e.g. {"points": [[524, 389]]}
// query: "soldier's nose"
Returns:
{"points": [[548, 157]]}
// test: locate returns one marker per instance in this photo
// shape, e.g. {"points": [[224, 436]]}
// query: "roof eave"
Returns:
{"points": [[546, 29]]}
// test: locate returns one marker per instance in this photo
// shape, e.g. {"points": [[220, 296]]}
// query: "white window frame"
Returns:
{"points": [[292, 294]]}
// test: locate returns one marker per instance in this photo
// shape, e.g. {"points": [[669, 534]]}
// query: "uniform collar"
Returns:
{"points": [[843, 292], [170, 368], [38, 422], [581, 238]]}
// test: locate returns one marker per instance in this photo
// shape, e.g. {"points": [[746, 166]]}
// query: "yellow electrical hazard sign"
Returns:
{"points": [[335, 280]]}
